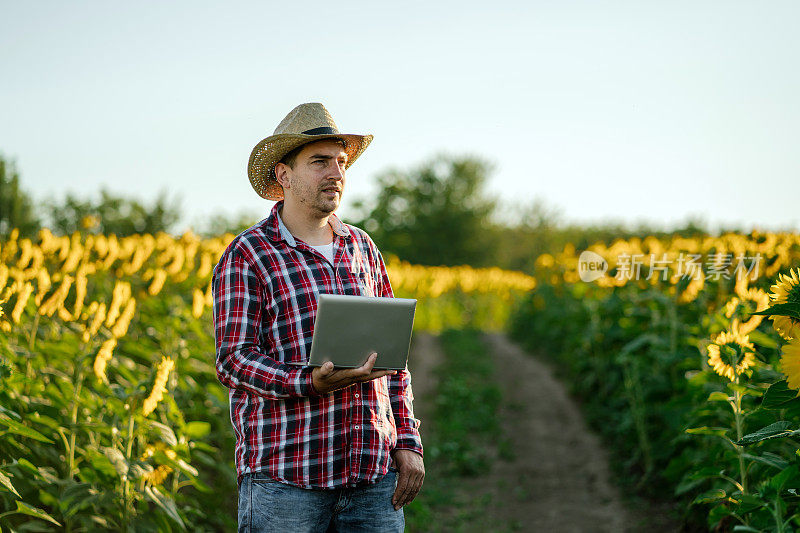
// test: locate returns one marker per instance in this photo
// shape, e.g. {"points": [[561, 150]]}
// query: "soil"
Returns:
{"points": [[556, 478]]}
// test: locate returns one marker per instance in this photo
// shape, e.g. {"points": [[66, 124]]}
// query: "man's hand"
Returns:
{"points": [[327, 379], [411, 472]]}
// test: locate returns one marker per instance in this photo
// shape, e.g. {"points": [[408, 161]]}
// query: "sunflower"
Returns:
{"points": [[730, 354], [747, 302], [787, 290], [157, 476], [790, 362], [160, 385], [696, 284]]}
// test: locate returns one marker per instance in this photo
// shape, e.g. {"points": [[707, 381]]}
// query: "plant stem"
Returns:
{"points": [[778, 518], [126, 483], [31, 344], [74, 418], [737, 412], [34, 330]]}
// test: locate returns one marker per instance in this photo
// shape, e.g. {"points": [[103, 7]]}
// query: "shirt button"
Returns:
{"points": [[356, 427], [356, 395]]}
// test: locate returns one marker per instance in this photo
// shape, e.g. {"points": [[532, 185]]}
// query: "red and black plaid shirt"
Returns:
{"points": [[265, 299]]}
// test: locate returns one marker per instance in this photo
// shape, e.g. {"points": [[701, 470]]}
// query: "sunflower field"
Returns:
{"points": [[111, 414], [685, 353]]}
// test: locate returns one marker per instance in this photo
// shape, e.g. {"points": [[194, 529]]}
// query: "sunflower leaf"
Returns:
{"points": [[769, 459], [775, 430], [741, 528], [762, 339], [166, 503], [24, 508], [749, 503], [163, 432], [779, 396], [744, 389], [21, 429], [6, 482], [790, 309], [718, 396], [705, 430], [711, 496]]}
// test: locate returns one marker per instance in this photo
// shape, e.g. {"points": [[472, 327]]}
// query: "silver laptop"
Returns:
{"points": [[349, 328]]}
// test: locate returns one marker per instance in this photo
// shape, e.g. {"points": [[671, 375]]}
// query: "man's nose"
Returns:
{"points": [[337, 171]]}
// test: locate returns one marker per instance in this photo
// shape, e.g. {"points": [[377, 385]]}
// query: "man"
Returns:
{"points": [[324, 448]]}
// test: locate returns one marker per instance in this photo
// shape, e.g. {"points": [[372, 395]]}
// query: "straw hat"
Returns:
{"points": [[304, 124]]}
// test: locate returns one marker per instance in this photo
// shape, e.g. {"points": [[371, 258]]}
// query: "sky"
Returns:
{"points": [[632, 112]]}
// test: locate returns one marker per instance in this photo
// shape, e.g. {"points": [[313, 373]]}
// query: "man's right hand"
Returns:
{"points": [[327, 379]]}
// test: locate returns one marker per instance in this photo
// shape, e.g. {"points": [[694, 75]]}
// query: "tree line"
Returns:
{"points": [[438, 212]]}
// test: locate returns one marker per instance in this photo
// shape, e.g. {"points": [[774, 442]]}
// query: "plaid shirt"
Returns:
{"points": [[265, 299]]}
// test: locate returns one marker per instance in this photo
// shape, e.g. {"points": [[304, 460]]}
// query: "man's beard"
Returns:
{"points": [[318, 199]]}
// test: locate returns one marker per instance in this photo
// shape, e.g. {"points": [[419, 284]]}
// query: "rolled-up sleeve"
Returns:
{"points": [[240, 364], [400, 393]]}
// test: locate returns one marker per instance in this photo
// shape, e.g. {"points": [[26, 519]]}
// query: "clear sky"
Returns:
{"points": [[632, 111]]}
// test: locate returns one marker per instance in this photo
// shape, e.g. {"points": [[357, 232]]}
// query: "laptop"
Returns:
{"points": [[348, 329]]}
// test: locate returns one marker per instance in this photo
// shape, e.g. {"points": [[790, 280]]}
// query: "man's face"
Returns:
{"points": [[317, 179]]}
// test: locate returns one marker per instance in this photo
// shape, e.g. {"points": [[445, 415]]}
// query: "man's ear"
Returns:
{"points": [[281, 174]]}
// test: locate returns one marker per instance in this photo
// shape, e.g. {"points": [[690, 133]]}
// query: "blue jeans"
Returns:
{"points": [[267, 505]]}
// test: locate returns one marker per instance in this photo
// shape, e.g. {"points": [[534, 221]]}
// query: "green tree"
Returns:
{"points": [[220, 223], [16, 207], [112, 214], [434, 214]]}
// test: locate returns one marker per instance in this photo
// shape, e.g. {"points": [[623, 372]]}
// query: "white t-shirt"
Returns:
{"points": [[326, 250]]}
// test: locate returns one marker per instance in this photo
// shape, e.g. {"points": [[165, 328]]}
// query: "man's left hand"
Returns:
{"points": [[411, 472]]}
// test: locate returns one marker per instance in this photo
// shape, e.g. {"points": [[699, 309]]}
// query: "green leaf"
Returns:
{"points": [[199, 485], [790, 309], [164, 433], [6, 482], [779, 396], [694, 479], [25, 431], [24, 463], [748, 503], [204, 446], [769, 459], [117, 459], [718, 396], [705, 430], [762, 339], [197, 430], [745, 389], [24, 508], [775, 430], [166, 503], [779, 480], [101, 521], [9, 413], [100, 463], [710, 496], [177, 464], [75, 496], [47, 421]]}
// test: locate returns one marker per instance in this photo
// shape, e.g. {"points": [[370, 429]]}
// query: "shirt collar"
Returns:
{"points": [[277, 230]]}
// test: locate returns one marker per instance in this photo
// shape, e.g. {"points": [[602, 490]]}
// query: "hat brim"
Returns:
{"points": [[268, 152]]}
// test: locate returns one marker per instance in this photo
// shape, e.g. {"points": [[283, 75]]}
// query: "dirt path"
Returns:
{"points": [[425, 356], [558, 480]]}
